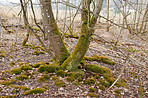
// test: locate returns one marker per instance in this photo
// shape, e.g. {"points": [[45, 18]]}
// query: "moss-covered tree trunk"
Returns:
{"points": [[54, 36], [87, 28]]}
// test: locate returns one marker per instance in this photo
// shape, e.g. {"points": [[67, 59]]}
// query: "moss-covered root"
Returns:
{"points": [[100, 58], [97, 69], [35, 91]]}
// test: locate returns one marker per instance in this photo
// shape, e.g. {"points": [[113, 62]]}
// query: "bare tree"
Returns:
{"points": [[87, 28], [54, 36], [51, 28]]}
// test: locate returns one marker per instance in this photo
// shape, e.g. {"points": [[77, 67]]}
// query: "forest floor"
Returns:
{"points": [[131, 52]]}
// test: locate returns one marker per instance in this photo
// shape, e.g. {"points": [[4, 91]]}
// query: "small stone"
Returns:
{"points": [[61, 89], [78, 88], [86, 92]]}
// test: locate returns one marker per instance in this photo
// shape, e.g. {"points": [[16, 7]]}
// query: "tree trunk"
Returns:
{"points": [[87, 28], [28, 31], [54, 36], [146, 18]]}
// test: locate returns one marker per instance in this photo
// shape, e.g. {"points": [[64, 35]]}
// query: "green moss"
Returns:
{"points": [[36, 65], [24, 42], [22, 77], [89, 81], [119, 84], [1, 89], [38, 52], [97, 69], [45, 87], [101, 58], [12, 64], [92, 95], [118, 93], [95, 75], [6, 82], [10, 96], [41, 69], [65, 55], [23, 63], [43, 78], [70, 79], [103, 82], [79, 74], [35, 91], [41, 48], [60, 83], [60, 73], [16, 71], [55, 78], [23, 88], [106, 60], [20, 87], [2, 55], [140, 90], [92, 89], [76, 83], [90, 58], [13, 91], [26, 67], [76, 75], [109, 78], [101, 87], [36, 29], [50, 68]]}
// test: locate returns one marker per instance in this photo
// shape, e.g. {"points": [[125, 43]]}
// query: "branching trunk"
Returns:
{"points": [[87, 29], [54, 36]]}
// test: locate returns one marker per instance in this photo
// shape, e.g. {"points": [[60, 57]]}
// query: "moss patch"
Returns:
{"points": [[118, 93], [10, 96], [103, 82], [92, 89], [26, 67], [70, 79], [119, 84], [2, 55], [102, 87], [97, 69], [60, 84], [50, 68], [6, 82], [100, 58], [76, 75], [92, 95], [16, 71], [140, 90], [12, 64], [35, 91], [76, 83], [20, 87], [61, 73], [43, 78], [89, 81], [36, 65], [38, 52], [55, 78], [22, 77], [41, 68]]}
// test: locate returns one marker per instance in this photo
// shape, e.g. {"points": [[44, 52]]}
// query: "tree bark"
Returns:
{"points": [[54, 36], [87, 28]]}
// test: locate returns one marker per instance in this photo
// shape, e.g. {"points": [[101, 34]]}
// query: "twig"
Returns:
{"points": [[120, 74]]}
